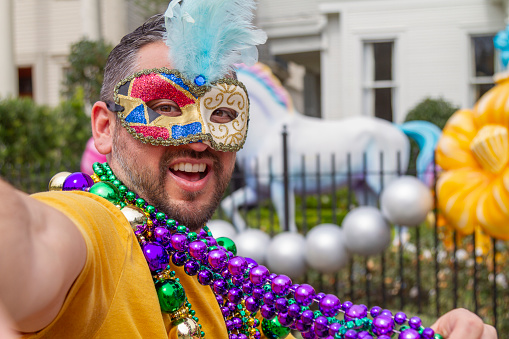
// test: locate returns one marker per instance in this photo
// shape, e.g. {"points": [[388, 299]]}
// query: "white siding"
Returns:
{"points": [[284, 10]]}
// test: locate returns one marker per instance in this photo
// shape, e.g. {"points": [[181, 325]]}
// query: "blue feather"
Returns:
{"points": [[209, 37]]}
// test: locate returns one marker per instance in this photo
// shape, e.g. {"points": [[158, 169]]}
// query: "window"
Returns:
{"points": [[483, 65], [25, 82], [379, 86]]}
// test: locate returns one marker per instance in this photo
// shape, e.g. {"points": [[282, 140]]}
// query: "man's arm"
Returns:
{"points": [[41, 254]]}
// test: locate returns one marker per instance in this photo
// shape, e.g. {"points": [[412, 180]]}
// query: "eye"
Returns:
{"points": [[165, 107], [223, 115]]}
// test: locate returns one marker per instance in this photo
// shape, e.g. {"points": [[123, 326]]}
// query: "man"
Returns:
{"points": [[70, 264]]}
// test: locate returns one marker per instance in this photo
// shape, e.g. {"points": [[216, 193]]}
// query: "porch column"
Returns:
{"points": [[332, 100], [90, 19], [8, 76], [114, 30]]}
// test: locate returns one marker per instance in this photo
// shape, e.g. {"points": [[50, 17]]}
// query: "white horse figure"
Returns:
{"points": [[362, 140]]}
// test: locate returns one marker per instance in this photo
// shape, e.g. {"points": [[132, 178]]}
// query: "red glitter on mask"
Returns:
{"points": [[152, 131], [153, 86]]}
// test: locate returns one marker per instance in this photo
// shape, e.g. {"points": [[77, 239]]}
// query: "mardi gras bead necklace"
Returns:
{"points": [[243, 289]]}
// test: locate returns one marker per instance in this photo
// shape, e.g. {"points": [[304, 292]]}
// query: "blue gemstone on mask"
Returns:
{"points": [[186, 130], [200, 80], [137, 115]]}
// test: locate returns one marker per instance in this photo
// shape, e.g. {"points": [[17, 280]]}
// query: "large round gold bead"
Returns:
{"points": [[57, 182], [188, 329], [134, 215]]}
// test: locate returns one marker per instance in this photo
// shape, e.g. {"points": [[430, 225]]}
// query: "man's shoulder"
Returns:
{"points": [[85, 208], [75, 199]]}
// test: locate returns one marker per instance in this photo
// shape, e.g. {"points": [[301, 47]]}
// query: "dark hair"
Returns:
{"points": [[122, 59]]}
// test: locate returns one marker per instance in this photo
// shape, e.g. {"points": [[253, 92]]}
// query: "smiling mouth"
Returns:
{"points": [[190, 172]]}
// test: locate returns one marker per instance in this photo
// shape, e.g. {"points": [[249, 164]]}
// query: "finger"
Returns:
{"points": [[459, 324], [489, 332]]}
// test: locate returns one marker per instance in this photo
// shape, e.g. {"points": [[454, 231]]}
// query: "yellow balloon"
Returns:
{"points": [[473, 150]]}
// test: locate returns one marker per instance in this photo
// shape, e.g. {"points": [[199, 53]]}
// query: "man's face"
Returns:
{"points": [[186, 182]]}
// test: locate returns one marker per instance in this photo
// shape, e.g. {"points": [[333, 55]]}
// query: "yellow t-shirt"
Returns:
{"points": [[114, 295]]}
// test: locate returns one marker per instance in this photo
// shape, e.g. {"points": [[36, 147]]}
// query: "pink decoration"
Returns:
{"points": [[91, 155]]}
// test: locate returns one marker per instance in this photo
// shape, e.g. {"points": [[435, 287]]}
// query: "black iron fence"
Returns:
{"points": [[430, 273]]}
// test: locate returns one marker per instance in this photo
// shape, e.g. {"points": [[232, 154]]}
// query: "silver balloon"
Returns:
{"points": [[325, 248], [406, 201], [285, 254], [253, 243], [366, 231], [222, 228]]}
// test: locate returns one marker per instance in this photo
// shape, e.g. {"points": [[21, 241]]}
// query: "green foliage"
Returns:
{"points": [[436, 111], [31, 133], [87, 60], [74, 127]]}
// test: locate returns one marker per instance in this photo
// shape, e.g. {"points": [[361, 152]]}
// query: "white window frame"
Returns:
{"points": [[479, 80], [369, 84]]}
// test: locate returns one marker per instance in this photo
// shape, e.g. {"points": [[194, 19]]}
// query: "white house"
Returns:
{"points": [[344, 57], [382, 57], [41, 32]]}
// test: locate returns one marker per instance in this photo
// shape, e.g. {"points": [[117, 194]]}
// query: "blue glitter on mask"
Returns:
{"points": [[186, 130], [137, 115], [176, 80]]}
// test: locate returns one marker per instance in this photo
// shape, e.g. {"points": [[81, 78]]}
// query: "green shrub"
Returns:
{"points": [[38, 134], [87, 60], [436, 111], [75, 128]]}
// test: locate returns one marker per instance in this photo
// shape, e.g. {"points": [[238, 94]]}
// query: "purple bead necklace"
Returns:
{"points": [[242, 288]]}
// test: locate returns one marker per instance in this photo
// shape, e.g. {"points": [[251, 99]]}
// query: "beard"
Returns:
{"points": [[151, 186]]}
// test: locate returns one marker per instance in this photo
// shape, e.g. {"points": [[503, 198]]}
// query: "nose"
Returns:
{"points": [[198, 146]]}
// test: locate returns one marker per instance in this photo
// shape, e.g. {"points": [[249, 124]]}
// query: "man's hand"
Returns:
{"points": [[463, 324]]}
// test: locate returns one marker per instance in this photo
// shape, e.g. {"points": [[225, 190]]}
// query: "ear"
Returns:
{"points": [[103, 125]]}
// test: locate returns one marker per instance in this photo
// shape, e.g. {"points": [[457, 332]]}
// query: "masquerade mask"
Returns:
{"points": [[161, 107], [198, 102]]}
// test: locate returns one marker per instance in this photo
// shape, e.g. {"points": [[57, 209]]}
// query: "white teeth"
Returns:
{"points": [[188, 167]]}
